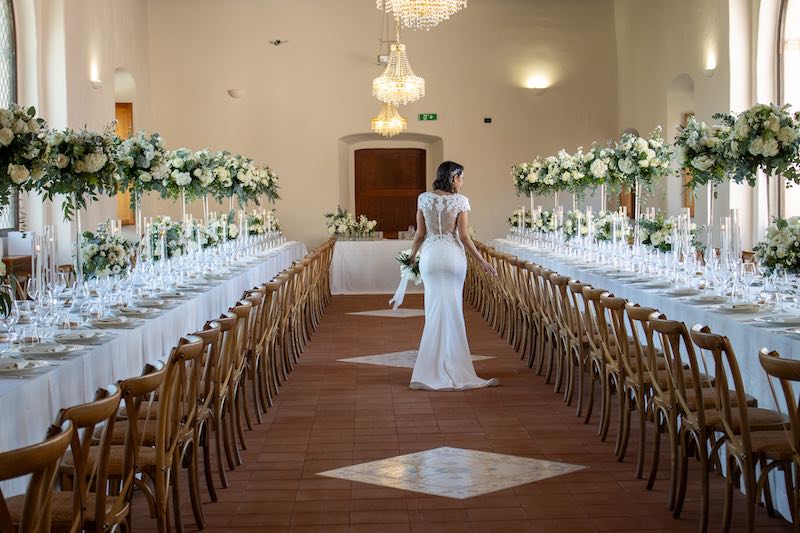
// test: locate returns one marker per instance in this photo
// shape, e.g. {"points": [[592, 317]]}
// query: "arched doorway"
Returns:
{"points": [[124, 97]]}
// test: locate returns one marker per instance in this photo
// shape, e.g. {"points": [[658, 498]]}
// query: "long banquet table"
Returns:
{"points": [[28, 406], [746, 336], [368, 267]]}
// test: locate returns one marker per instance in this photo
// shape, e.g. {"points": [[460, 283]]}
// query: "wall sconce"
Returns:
{"points": [[711, 65], [96, 84], [538, 85], [235, 93]]}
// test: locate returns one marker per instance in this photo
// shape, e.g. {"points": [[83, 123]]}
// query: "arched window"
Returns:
{"points": [[9, 215], [789, 82]]}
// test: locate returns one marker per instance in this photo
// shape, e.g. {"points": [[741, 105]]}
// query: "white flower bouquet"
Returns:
{"points": [[643, 159], [765, 137], [175, 238], [81, 164], [566, 172], [142, 163], [604, 227], [657, 232], [543, 221], [266, 183], [344, 223], [105, 254], [237, 177], [260, 223], [780, 247], [531, 178], [23, 150], [514, 219], [189, 173], [575, 224], [600, 166], [704, 151], [409, 267]]}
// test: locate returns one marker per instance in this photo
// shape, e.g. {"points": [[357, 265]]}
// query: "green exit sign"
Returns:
{"points": [[427, 116]]}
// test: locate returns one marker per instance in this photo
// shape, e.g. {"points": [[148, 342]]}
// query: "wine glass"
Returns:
{"points": [[749, 275]]}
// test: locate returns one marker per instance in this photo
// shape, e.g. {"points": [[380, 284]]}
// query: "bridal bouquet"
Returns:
{"points": [[82, 164], [142, 163], [104, 253], [575, 224], [409, 267], [23, 147], [175, 238], [765, 137], [780, 247], [657, 232], [704, 151], [643, 159]]}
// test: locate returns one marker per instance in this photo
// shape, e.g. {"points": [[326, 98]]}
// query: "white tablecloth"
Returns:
{"points": [[28, 406], [747, 339], [368, 267]]}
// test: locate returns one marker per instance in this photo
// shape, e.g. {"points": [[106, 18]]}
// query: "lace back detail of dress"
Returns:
{"points": [[441, 212]]}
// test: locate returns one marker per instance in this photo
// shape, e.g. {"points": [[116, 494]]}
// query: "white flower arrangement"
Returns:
{"points": [[23, 149], [514, 219], [142, 163], [566, 171], [175, 237], [643, 159], [657, 232], [344, 223], [260, 223], [604, 227], [575, 224], [703, 151], [104, 254], [600, 166], [543, 221], [780, 247], [531, 178]]}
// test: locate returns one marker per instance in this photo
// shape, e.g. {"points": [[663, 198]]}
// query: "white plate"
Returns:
{"points": [[79, 335], [658, 284], [48, 349], [740, 308], [786, 320], [110, 321], [22, 365], [706, 299], [683, 291], [151, 302]]}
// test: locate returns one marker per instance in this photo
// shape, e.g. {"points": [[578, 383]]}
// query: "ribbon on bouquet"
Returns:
{"points": [[400, 293]]}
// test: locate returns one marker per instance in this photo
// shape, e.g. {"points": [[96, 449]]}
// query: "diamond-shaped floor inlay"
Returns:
{"points": [[404, 359], [453, 472], [392, 313]]}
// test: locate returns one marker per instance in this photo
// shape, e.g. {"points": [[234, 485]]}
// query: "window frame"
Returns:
{"points": [[779, 93], [15, 200]]}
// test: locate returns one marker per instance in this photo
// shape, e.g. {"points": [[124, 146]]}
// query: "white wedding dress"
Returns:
{"points": [[444, 361]]}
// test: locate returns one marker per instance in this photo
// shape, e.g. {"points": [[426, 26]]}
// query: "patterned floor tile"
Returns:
{"points": [[453, 472], [404, 359]]}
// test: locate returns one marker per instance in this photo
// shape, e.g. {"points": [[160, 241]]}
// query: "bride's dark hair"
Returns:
{"points": [[445, 174]]}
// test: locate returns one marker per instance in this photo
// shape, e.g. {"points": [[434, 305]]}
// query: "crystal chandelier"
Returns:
{"points": [[398, 84], [421, 14], [389, 122]]}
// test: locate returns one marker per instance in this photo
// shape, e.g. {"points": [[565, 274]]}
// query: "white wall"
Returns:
{"points": [[302, 97]]}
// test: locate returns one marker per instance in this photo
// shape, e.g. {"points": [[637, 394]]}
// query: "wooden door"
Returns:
{"points": [[124, 129], [388, 181]]}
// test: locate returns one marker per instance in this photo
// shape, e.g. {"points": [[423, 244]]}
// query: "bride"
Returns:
{"points": [[444, 361]]}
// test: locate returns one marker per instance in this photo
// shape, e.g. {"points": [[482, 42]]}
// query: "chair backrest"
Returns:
{"points": [[243, 311], [594, 325], [615, 345], [575, 322], [561, 303], [643, 349], [91, 477], [228, 356], [728, 386], [787, 372], [209, 363], [40, 461]]}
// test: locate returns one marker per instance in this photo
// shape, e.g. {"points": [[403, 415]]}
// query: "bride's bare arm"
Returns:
{"points": [[463, 234], [419, 237]]}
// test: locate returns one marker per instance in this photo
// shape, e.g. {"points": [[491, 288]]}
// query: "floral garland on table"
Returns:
{"points": [[142, 164], [105, 254], [657, 233], [23, 149], [604, 227], [258, 223], [704, 151], [765, 137], [409, 267], [780, 247], [81, 165], [643, 159], [176, 241], [575, 224]]}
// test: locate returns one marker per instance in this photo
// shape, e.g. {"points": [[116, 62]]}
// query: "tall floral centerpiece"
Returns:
{"points": [[266, 184], [23, 150], [81, 165], [105, 253], [237, 178], [143, 166], [780, 247], [530, 179], [188, 176], [601, 170], [568, 173]]}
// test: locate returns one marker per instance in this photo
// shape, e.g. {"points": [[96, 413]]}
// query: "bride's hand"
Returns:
{"points": [[489, 268]]}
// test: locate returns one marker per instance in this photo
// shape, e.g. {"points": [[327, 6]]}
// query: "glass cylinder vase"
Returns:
{"points": [[137, 213], [78, 242]]}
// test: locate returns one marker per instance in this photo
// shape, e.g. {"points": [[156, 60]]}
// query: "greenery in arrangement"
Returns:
{"points": [[764, 137], [236, 178], [104, 253], [532, 178], [604, 227], [259, 223], [600, 167], [575, 224], [175, 237], [544, 221], [566, 171], [81, 165], [23, 150], [189, 173], [657, 233], [514, 219], [409, 267], [704, 151], [142, 164], [643, 160], [342, 222], [780, 247]]}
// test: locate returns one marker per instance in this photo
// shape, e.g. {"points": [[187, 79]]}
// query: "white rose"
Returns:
{"points": [[20, 126], [19, 173], [6, 136], [182, 179], [177, 162], [62, 160], [145, 177], [702, 162]]}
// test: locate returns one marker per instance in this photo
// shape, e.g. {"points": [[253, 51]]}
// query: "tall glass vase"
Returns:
{"points": [[78, 242], [711, 191], [602, 198], [137, 213], [637, 211], [183, 205], [205, 209]]}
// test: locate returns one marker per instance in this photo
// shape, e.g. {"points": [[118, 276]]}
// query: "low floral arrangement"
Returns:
{"points": [[142, 164], [643, 159], [514, 219], [81, 166], [409, 267], [575, 224], [765, 137], [604, 227], [104, 254], [543, 221], [703, 150], [260, 223], [342, 222], [23, 149], [176, 240], [780, 247], [657, 233]]}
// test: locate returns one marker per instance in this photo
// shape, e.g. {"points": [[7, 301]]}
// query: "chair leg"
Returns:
{"points": [[683, 473], [176, 494], [728, 505], [240, 402], [194, 487], [625, 424], [656, 451], [207, 470], [605, 414], [641, 407]]}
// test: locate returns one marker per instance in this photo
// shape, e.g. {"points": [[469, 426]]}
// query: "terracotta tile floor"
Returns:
{"points": [[332, 414]]}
